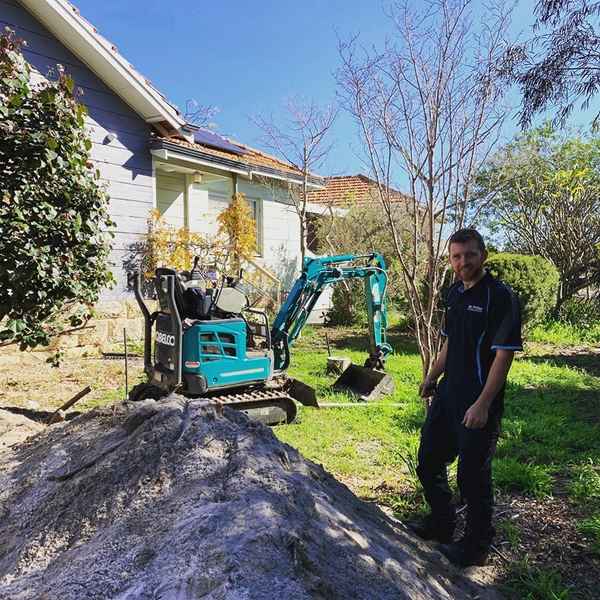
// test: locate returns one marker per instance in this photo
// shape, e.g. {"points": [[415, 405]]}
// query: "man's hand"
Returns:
{"points": [[427, 388], [476, 416]]}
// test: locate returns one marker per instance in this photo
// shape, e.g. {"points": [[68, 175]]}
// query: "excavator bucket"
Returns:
{"points": [[367, 384], [301, 392]]}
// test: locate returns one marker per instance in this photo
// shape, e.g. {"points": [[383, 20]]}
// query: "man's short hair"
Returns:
{"points": [[462, 236]]}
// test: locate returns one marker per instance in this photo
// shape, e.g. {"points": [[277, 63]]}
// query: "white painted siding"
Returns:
{"points": [[198, 209], [124, 164], [278, 228], [170, 197]]}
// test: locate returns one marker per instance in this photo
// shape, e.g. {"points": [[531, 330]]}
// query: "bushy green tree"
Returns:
{"points": [[533, 279], [543, 196], [54, 245]]}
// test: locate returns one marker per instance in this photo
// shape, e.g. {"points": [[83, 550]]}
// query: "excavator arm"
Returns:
{"points": [[319, 273]]}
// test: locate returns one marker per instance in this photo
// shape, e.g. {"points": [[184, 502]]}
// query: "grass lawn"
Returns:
{"points": [[546, 470]]}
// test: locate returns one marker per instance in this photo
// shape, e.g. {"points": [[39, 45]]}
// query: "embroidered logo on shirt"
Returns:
{"points": [[475, 308]]}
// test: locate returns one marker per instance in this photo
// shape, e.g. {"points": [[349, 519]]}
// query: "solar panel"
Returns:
{"points": [[208, 138]]}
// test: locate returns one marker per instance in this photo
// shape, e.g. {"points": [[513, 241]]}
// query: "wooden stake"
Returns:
{"points": [[126, 357], [56, 416]]}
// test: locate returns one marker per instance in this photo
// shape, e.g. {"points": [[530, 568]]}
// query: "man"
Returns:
{"points": [[482, 327]]}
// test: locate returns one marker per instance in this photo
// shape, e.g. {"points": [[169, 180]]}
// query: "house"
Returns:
{"points": [[340, 193], [146, 153], [346, 190]]}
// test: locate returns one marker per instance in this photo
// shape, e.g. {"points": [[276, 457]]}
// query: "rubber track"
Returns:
{"points": [[261, 398]]}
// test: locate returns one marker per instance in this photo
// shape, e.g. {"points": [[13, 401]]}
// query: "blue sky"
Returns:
{"points": [[246, 58]]}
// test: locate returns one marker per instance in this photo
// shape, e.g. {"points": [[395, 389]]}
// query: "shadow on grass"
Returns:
{"points": [[587, 361], [401, 342]]}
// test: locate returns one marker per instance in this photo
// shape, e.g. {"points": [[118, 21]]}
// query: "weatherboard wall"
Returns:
{"points": [[125, 163], [280, 228]]}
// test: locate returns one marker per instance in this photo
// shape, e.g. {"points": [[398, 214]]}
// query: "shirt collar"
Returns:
{"points": [[485, 280]]}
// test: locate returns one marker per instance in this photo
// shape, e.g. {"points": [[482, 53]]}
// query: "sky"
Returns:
{"points": [[246, 58]]}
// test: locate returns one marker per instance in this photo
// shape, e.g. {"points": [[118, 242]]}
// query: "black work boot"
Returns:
{"points": [[432, 528], [470, 550]]}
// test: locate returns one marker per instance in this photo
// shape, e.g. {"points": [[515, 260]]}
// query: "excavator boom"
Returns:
{"points": [[319, 273]]}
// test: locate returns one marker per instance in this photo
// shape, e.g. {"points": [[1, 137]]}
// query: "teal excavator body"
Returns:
{"points": [[205, 341]]}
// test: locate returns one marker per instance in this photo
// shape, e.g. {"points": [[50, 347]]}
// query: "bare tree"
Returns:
{"points": [[428, 111], [200, 115], [301, 138]]}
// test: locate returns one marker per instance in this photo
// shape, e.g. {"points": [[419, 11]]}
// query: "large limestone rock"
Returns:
{"points": [[175, 501]]}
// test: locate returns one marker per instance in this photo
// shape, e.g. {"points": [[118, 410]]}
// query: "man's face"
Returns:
{"points": [[466, 259]]}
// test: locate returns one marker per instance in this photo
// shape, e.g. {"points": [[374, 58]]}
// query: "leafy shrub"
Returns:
{"points": [[54, 222], [347, 304], [533, 279], [580, 312], [591, 528], [585, 486], [534, 583], [168, 246], [363, 229], [238, 226]]}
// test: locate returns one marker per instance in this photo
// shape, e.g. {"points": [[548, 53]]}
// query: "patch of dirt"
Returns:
{"points": [[175, 500], [586, 358], [15, 428], [41, 386], [548, 536]]}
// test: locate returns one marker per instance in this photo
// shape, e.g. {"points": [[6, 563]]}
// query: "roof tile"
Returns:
{"points": [[351, 189], [251, 157]]}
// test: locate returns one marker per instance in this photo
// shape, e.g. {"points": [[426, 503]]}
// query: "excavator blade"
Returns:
{"points": [[367, 384]]}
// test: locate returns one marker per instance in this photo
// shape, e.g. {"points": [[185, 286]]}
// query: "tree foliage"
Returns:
{"points": [[54, 245], [560, 66], [543, 196], [533, 279], [239, 228], [176, 248], [362, 229]]}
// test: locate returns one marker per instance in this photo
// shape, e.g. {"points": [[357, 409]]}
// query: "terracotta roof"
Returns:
{"points": [[250, 159], [351, 189]]}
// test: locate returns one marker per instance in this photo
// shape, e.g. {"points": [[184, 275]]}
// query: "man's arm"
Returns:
{"points": [[477, 414], [427, 388]]}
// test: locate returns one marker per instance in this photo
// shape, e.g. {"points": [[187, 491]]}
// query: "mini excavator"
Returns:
{"points": [[209, 342]]}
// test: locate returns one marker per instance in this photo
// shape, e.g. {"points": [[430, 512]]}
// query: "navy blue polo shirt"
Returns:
{"points": [[477, 322]]}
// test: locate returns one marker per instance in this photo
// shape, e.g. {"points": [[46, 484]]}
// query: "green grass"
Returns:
{"points": [[585, 483], [564, 334], [590, 528], [550, 440], [549, 429], [512, 475], [532, 583], [511, 532]]}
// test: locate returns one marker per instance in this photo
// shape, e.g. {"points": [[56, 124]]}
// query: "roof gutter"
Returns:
{"points": [[79, 36], [165, 150]]}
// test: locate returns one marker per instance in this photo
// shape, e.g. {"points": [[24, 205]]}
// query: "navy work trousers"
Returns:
{"points": [[443, 438]]}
